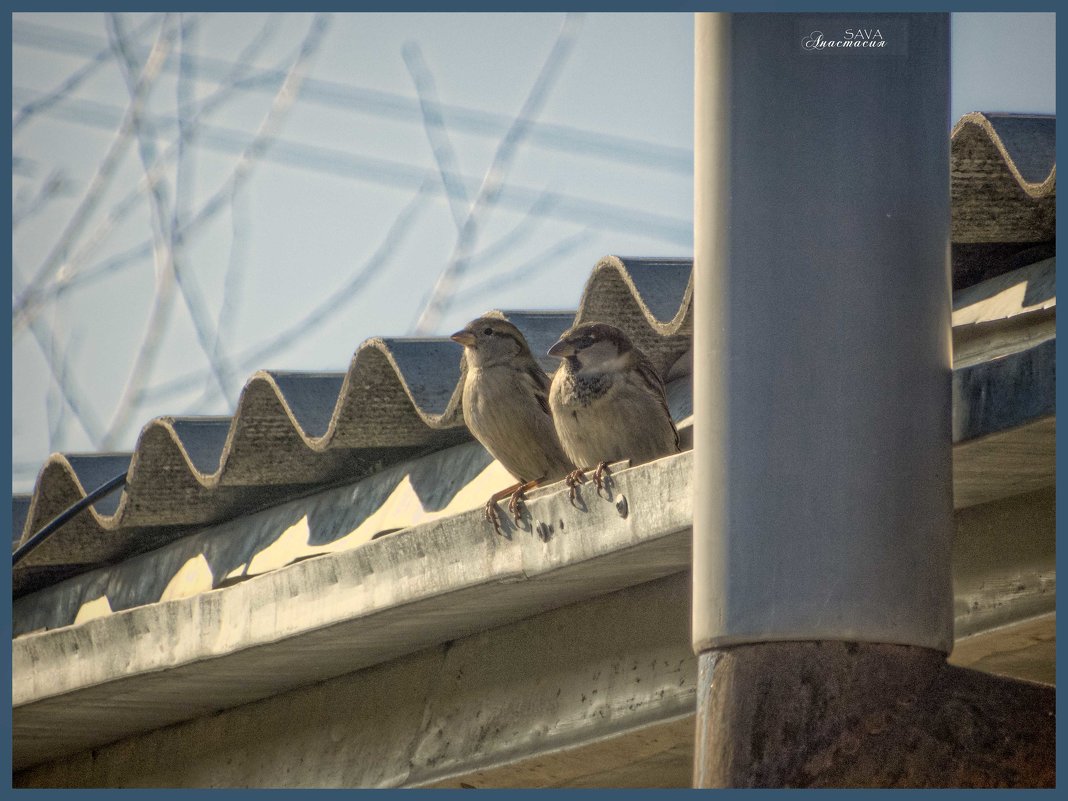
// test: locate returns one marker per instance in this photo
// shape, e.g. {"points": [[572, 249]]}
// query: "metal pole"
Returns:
{"points": [[822, 340]]}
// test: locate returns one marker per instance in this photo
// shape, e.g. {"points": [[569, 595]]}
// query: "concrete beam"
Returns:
{"points": [[562, 698], [597, 694], [165, 662], [159, 664]]}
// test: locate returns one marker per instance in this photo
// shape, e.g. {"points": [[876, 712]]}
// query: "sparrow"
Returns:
{"points": [[608, 402], [506, 408]]}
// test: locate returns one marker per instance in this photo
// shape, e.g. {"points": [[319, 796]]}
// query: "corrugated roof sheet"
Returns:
{"points": [[295, 432], [1004, 193]]}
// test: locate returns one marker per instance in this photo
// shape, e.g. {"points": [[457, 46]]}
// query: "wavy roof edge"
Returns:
{"points": [[1024, 142], [398, 396]]}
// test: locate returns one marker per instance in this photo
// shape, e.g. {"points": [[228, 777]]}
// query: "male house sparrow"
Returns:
{"points": [[608, 402], [506, 408]]}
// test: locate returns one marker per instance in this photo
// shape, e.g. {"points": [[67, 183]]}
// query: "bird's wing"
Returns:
{"points": [[655, 384], [541, 386]]}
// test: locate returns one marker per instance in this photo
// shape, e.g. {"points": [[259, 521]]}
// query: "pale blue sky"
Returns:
{"points": [[606, 164]]}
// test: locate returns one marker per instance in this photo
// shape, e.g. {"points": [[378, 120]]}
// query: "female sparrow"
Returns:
{"points": [[506, 408], [608, 402]]}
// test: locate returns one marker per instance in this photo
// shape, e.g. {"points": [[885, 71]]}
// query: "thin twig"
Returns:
{"points": [[336, 302], [71, 267], [529, 268], [522, 231], [64, 381], [54, 186], [56, 406], [186, 104], [448, 164], [391, 105], [228, 305], [168, 244], [105, 170], [493, 180], [280, 106], [434, 125], [558, 206], [164, 258], [73, 81]]}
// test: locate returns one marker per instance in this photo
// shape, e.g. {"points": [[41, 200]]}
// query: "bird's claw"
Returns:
{"points": [[574, 478], [515, 505], [493, 516], [600, 475]]}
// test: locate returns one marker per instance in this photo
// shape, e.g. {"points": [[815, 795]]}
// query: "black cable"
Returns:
{"points": [[65, 516]]}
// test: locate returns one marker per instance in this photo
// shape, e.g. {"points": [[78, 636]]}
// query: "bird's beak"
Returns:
{"points": [[562, 349], [465, 338]]}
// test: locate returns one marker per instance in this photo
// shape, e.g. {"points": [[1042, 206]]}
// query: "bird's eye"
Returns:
{"points": [[488, 332]]}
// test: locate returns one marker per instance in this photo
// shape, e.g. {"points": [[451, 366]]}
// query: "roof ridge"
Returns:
{"points": [[985, 122]]}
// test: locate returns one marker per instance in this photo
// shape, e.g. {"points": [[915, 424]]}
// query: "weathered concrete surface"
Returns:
{"points": [[1024, 650], [604, 728], [1006, 314], [1004, 562], [563, 698], [162, 663], [1008, 463], [866, 715]]}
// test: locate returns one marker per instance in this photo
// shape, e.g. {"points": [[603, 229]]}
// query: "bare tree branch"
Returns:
{"points": [[73, 81], [168, 244], [522, 231], [71, 267], [55, 184], [268, 127], [104, 173], [63, 380], [396, 106], [336, 302], [529, 268], [493, 180], [434, 125]]}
